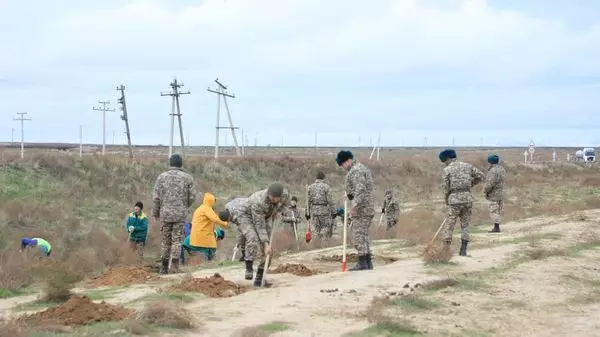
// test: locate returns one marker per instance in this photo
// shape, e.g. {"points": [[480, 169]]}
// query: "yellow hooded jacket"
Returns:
{"points": [[203, 224]]}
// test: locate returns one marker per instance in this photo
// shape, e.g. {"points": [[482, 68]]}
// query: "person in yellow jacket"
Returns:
{"points": [[204, 234]]}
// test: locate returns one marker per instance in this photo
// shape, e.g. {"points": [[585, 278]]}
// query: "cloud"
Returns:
{"points": [[317, 65]]}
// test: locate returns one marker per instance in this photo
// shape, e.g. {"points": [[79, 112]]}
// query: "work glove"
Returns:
{"points": [[382, 209], [130, 229], [220, 234], [307, 216], [339, 211]]}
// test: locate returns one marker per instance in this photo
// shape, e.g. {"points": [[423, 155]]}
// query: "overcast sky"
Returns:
{"points": [[497, 72]]}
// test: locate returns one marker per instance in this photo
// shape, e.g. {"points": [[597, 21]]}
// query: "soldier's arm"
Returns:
{"points": [[156, 198], [446, 185], [359, 188], [477, 175], [260, 222], [286, 216], [490, 182]]}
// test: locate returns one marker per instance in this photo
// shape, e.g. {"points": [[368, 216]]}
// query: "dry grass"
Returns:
{"points": [[57, 197], [166, 314]]}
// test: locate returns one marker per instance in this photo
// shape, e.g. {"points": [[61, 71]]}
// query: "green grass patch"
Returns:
{"points": [[276, 326], [102, 294], [113, 329], [387, 328], [415, 302], [7, 293], [35, 305]]}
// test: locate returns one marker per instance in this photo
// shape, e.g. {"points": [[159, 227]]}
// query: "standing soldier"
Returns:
{"points": [[391, 209], [457, 179], [359, 190], [291, 214], [174, 194], [321, 207], [494, 190]]}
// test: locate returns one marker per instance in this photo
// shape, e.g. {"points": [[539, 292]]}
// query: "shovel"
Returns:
{"points": [[345, 235], [308, 235], [235, 250], [434, 237], [268, 259]]}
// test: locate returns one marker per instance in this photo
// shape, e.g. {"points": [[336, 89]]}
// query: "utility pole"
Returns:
{"points": [[104, 109], [13, 136], [175, 93], [316, 139], [243, 145], [80, 141], [22, 118], [221, 91], [376, 148], [124, 117]]}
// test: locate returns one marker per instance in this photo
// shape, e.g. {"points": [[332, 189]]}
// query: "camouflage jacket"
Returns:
{"points": [[391, 208], [320, 201], [174, 193], [457, 179], [360, 189], [290, 215], [494, 183], [237, 207], [261, 209]]}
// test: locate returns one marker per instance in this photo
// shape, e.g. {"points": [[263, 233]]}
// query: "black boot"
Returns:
{"points": [[259, 277], [164, 268], [174, 266], [496, 228], [362, 264], [369, 262], [463, 247], [243, 257], [249, 270]]}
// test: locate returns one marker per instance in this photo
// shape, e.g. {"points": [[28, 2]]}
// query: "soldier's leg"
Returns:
{"points": [[451, 217], [165, 246], [465, 221], [495, 211], [318, 225], [176, 240], [251, 245], [240, 242], [258, 280], [360, 228], [329, 228]]}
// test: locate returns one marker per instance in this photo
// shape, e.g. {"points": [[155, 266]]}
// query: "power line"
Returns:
{"points": [[175, 93], [221, 91], [121, 101], [22, 118], [104, 109]]}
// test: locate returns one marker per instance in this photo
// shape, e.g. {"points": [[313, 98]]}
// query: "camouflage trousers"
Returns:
{"points": [[456, 212], [391, 223], [254, 249], [361, 226], [171, 239], [323, 225], [496, 208]]}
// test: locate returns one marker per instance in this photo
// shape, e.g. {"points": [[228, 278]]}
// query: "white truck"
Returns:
{"points": [[586, 155]]}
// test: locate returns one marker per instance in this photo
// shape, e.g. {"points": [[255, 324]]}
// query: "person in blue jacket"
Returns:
{"points": [[137, 226], [187, 229], [43, 245]]}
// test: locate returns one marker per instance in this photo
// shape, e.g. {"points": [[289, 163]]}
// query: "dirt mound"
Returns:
{"points": [[352, 257], [79, 310], [295, 269], [119, 276], [214, 286]]}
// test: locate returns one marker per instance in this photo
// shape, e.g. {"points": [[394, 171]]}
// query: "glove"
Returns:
{"points": [[220, 234], [333, 215], [382, 209], [339, 211], [130, 229], [350, 196], [307, 216]]}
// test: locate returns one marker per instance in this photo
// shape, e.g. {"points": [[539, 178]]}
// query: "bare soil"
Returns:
{"points": [[295, 269], [119, 276], [78, 310], [213, 286]]}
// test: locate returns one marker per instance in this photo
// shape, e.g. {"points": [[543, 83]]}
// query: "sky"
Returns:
{"points": [[407, 72]]}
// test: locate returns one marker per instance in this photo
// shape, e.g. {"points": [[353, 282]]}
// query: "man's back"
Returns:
{"points": [[458, 178], [359, 183], [494, 187], [237, 207], [173, 195], [320, 199]]}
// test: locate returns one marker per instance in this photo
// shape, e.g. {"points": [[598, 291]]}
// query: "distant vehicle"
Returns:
{"points": [[587, 155]]}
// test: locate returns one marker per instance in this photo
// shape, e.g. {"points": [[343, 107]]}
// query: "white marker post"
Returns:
{"points": [[531, 150], [525, 154], [568, 157], [553, 155]]}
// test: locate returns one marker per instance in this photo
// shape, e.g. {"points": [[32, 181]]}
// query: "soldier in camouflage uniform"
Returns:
{"points": [[253, 221], [291, 214], [494, 190], [391, 209], [321, 207], [174, 193], [236, 208], [457, 180], [360, 191]]}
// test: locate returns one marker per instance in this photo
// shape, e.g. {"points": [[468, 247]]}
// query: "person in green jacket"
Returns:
{"points": [[137, 226], [43, 245]]}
